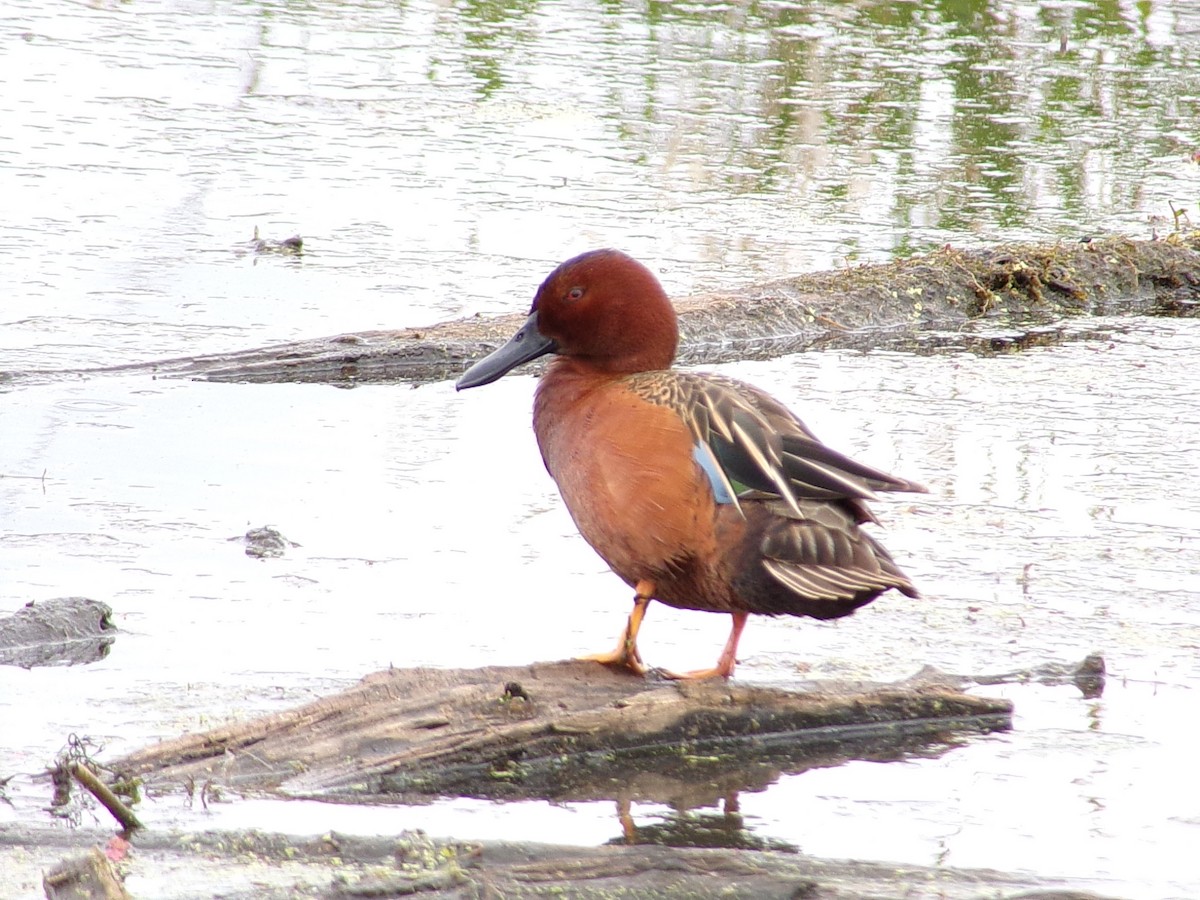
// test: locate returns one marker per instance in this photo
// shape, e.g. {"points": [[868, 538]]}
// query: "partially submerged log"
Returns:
{"points": [[1089, 675], [252, 865], [563, 731], [998, 298], [87, 877]]}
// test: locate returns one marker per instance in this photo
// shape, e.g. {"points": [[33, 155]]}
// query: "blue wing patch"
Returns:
{"points": [[717, 479]]}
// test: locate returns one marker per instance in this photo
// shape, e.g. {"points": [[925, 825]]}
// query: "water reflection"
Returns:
{"points": [[696, 801], [956, 115], [724, 827], [493, 31], [437, 159]]}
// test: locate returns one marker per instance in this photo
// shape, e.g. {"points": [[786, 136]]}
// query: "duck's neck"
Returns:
{"points": [[560, 409], [562, 386]]}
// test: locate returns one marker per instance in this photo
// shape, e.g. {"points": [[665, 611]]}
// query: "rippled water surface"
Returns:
{"points": [[438, 159]]}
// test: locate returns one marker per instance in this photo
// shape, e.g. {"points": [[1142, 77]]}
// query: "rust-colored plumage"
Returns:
{"points": [[701, 492]]}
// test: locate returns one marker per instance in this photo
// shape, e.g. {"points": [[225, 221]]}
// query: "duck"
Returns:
{"points": [[700, 491]]}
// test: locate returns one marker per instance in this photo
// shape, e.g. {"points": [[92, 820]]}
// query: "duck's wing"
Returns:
{"points": [[748, 441]]}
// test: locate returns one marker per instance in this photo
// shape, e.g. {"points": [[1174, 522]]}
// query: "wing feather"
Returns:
{"points": [[746, 441]]}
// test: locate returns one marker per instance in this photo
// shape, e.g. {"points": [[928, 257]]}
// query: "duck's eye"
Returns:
{"points": [[575, 293]]}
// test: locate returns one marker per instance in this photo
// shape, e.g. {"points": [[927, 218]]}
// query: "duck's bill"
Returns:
{"points": [[527, 344]]}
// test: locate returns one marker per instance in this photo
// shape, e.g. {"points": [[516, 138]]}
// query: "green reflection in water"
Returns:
{"points": [[877, 124], [973, 111], [493, 30]]}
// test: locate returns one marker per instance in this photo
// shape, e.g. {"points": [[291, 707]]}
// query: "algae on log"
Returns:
{"points": [[570, 730], [963, 298]]}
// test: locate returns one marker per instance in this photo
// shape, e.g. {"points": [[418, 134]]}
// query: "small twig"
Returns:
{"points": [[1178, 214], [985, 296], [829, 323], [110, 801]]}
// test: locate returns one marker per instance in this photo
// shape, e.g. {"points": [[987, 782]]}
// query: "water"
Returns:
{"points": [[438, 161], [1060, 522]]}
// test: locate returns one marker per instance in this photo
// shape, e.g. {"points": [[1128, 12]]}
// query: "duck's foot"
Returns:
{"points": [[717, 671], [626, 654], [622, 658], [725, 664]]}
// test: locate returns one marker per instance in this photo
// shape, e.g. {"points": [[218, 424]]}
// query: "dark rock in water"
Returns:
{"points": [[1089, 676], [265, 543], [65, 631], [293, 245]]}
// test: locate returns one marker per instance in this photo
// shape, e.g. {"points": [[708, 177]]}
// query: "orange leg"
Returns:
{"points": [[626, 654], [728, 659], [625, 817]]}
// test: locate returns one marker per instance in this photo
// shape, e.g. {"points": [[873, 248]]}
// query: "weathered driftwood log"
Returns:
{"points": [[61, 631], [566, 730], [87, 877], [252, 865], [995, 298]]}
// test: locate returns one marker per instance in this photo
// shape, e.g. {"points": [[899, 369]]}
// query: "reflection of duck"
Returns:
{"points": [[698, 828], [700, 491]]}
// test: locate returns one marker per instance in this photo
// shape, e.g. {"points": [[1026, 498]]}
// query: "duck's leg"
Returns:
{"points": [[728, 659], [626, 654]]}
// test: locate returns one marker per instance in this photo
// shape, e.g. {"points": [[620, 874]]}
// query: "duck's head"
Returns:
{"points": [[602, 308]]}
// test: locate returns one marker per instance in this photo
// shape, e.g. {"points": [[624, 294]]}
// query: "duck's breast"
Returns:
{"points": [[626, 471]]}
